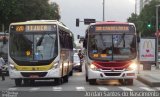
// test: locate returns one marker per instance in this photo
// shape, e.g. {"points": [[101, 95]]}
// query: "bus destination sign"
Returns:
{"points": [[33, 28], [112, 28]]}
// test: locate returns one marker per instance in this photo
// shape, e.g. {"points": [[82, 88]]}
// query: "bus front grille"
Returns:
{"points": [[112, 74], [29, 74]]}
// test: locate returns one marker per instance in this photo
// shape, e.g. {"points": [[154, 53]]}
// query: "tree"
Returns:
{"points": [[133, 19], [23, 10], [54, 11], [146, 21]]}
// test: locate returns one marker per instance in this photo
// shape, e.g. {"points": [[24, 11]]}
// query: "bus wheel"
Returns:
{"points": [[71, 73], [92, 81], [65, 78], [129, 81], [86, 78], [80, 70], [58, 81], [121, 81], [18, 82]]}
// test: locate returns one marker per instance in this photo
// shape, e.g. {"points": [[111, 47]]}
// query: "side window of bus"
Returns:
{"points": [[70, 42], [66, 40], [61, 39]]}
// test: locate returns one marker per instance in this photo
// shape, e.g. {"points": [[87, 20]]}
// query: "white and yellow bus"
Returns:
{"points": [[38, 50]]}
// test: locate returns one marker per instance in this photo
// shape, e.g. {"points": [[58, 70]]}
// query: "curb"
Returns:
{"points": [[148, 81]]}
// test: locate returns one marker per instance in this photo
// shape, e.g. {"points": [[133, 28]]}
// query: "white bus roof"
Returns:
{"points": [[40, 22]]}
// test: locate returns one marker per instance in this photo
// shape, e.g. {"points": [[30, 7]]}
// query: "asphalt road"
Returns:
{"points": [[76, 87]]}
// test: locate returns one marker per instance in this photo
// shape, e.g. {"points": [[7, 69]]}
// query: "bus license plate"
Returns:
{"points": [[34, 76]]}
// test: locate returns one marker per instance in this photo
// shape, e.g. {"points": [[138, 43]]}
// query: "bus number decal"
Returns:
{"points": [[19, 28]]}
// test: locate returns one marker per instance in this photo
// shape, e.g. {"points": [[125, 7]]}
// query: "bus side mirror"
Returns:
{"points": [[4, 40], [84, 43]]}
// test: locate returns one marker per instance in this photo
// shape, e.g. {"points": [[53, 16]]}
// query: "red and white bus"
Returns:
{"points": [[111, 51]]}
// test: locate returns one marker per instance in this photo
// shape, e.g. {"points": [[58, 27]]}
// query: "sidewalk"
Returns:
{"points": [[150, 77]]}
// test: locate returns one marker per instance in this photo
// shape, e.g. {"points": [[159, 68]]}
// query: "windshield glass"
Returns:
{"points": [[33, 46], [112, 46]]}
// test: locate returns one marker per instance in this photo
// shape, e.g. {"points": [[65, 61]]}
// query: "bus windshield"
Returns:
{"points": [[33, 46], [112, 47]]}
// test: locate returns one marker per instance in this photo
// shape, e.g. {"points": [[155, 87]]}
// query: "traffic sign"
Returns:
{"points": [[88, 21]]}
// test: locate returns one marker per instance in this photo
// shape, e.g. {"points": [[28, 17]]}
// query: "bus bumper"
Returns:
{"points": [[50, 74], [92, 74]]}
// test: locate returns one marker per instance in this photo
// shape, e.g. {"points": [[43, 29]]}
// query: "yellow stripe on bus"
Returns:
{"points": [[33, 68]]}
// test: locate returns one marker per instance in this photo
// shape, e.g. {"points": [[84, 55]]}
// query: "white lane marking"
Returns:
{"points": [[57, 88], [80, 88], [103, 88], [147, 89], [34, 89], [12, 89], [125, 89]]}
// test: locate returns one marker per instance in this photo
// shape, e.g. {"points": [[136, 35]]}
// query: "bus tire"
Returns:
{"points": [[58, 81], [71, 73], [121, 81], [65, 78], [92, 81], [129, 81], [18, 82], [80, 70], [86, 78]]}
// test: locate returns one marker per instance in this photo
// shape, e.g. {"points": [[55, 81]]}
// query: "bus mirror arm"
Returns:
{"points": [[84, 44]]}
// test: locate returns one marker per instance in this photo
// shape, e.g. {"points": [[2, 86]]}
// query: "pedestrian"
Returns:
{"points": [[2, 63], [80, 54], [80, 57]]}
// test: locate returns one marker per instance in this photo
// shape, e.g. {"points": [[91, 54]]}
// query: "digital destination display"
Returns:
{"points": [[112, 28], [33, 28], [30, 28]]}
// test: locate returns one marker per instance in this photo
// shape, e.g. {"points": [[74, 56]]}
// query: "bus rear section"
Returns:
{"points": [[111, 52], [35, 52]]}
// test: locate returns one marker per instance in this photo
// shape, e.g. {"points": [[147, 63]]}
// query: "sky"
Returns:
{"points": [[115, 10]]}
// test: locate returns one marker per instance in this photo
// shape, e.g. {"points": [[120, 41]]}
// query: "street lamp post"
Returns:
{"points": [[103, 10], [157, 34]]}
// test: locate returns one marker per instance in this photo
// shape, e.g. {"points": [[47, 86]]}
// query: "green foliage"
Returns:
{"points": [[146, 21], [23, 10]]}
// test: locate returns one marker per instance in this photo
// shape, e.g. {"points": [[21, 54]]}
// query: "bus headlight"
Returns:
{"points": [[132, 66], [55, 65], [12, 66], [93, 67]]}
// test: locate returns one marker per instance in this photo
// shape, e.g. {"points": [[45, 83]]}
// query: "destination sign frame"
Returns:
{"points": [[112, 28], [33, 28]]}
